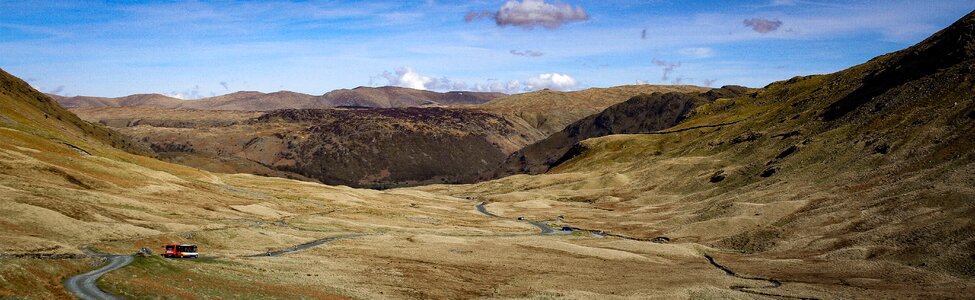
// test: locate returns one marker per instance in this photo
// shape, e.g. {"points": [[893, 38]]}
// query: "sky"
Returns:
{"points": [[194, 49]]}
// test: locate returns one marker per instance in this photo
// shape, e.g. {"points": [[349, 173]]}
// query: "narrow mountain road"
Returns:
{"points": [[480, 207], [544, 228], [307, 245], [83, 285], [773, 283]]}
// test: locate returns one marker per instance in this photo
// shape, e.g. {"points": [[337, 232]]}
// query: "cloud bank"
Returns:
{"points": [[529, 14]]}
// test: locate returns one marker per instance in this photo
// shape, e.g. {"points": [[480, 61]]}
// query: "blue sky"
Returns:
{"points": [[193, 49]]}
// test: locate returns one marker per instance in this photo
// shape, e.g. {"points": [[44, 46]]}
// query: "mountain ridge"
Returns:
{"points": [[380, 97]]}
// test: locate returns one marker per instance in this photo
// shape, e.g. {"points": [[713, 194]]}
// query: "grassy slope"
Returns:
{"points": [[878, 187]]}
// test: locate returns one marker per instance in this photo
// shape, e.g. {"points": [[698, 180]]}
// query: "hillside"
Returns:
{"points": [[26, 110], [384, 97], [640, 114], [550, 111], [62, 205], [861, 180], [374, 148]]}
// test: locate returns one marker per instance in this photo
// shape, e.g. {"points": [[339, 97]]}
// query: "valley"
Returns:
{"points": [[857, 184]]}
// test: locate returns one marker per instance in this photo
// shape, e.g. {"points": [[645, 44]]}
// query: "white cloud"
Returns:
{"points": [[406, 77], [698, 52], [554, 81], [530, 13], [193, 93], [409, 78]]}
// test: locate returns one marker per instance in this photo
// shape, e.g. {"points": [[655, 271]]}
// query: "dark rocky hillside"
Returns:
{"points": [[392, 147], [375, 148]]}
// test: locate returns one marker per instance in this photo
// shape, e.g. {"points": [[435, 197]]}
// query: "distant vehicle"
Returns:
{"points": [[181, 251], [521, 218]]}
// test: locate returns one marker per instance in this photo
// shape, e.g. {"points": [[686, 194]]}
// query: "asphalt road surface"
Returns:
{"points": [[83, 285]]}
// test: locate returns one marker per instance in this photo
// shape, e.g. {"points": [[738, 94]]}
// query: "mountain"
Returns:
{"points": [[255, 101], [384, 97], [376, 148], [640, 114], [550, 111], [866, 173]]}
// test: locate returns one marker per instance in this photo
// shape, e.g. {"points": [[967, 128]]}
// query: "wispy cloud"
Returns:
{"points": [[668, 68], [697, 52], [763, 25], [57, 91], [528, 53]]}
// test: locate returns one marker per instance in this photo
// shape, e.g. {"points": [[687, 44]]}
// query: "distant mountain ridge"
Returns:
{"points": [[379, 97]]}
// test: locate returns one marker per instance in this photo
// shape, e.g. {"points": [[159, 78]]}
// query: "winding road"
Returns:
{"points": [[307, 245], [773, 283], [83, 285], [480, 208], [544, 228]]}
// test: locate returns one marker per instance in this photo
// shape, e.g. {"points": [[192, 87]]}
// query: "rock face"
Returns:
{"points": [[382, 97], [640, 114]]}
